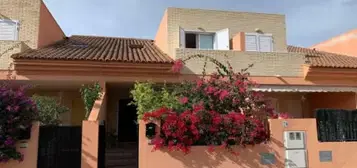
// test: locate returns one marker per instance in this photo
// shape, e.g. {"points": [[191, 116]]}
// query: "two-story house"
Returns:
{"points": [[297, 80], [285, 72]]}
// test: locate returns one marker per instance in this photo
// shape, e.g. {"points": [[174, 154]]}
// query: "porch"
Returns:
{"points": [[120, 120], [298, 104]]}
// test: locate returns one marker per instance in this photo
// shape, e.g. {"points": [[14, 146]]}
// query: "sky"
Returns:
{"points": [[307, 21]]}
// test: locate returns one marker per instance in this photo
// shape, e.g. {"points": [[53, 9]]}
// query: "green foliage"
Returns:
{"points": [[148, 98], [49, 110], [90, 93]]}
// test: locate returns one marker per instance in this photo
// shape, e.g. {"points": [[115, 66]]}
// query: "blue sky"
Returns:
{"points": [[308, 21]]}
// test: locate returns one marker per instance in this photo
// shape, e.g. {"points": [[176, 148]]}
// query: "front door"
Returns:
{"points": [[127, 117]]}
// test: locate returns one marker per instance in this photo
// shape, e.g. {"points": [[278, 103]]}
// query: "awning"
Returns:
{"points": [[282, 88]]}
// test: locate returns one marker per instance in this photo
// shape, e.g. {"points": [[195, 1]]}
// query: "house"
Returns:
{"points": [[297, 80], [342, 44]]}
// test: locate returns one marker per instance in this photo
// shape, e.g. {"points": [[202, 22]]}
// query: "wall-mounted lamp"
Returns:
{"points": [[303, 98], [258, 30], [150, 130], [201, 29]]}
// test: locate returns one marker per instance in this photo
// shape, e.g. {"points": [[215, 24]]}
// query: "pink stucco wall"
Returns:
{"points": [[90, 141], [30, 152], [344, 153]]}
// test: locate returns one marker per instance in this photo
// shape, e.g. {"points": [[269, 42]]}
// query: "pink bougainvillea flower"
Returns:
{"points": [[178, 65], [210, 90], [283, 116], [183, 100], [197, 107], [8, 108], [223, 94], [199, 83], [9, 142], [242, 89]]}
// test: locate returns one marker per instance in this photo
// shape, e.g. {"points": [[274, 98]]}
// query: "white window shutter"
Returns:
{"points": [[8, 30], [182, 38], [265, 43], [221, 40], [251, 42]]}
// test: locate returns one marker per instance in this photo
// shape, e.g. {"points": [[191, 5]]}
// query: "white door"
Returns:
{"points": [[295, 158], [8, 30], [265, 43], [221, 41], [182, 38]]}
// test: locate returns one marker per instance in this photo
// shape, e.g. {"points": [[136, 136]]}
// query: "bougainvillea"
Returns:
{"points": [[17, 113], [217, 110]]}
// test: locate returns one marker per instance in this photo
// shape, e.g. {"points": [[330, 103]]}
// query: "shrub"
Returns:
{"points": [[216, 110], [49, 110], [90, 93], [17, 113], [147, 97]]}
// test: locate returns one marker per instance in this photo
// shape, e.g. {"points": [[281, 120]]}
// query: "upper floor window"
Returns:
{"points": [[8, 30], [205, 40], [258, 42]]}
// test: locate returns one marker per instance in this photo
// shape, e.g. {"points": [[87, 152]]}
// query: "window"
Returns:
{"points": [[258, 42], [191, 40], [8, 30], [199, 40], [205, 40]]}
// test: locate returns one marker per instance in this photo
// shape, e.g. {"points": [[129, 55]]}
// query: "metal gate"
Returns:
{"points": [[59, 147], [336, 125]]}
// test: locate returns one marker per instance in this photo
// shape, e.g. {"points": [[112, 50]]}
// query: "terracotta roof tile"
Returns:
{"points": [[317, 58], [91, 48]]}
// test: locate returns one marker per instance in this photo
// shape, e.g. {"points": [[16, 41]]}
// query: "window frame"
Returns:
{"points": [[17, 31], [257, 37], [198, 33]]}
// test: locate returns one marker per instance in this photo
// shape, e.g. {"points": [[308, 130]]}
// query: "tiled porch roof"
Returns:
{"points": [[317, 58], [106, 49]]}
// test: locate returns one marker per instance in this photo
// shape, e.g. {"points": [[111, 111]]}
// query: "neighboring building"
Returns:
{"points": [[297, 80], [345, 43], [28, 24], [25, 24], [249, 38]]}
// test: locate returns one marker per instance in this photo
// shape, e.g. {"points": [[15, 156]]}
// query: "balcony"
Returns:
{"points": [[264, 63]]}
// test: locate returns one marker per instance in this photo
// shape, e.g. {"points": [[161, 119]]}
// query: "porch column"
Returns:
{"points": [[90, 132]]}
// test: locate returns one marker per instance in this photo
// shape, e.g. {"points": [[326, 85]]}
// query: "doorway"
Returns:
{"points": [[127, 122]]}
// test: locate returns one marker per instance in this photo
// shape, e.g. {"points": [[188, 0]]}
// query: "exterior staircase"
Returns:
{"points": [[124, 155]]}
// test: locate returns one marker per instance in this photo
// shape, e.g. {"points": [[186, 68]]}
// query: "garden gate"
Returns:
{"points": [[60, 147], [336, 125]]}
